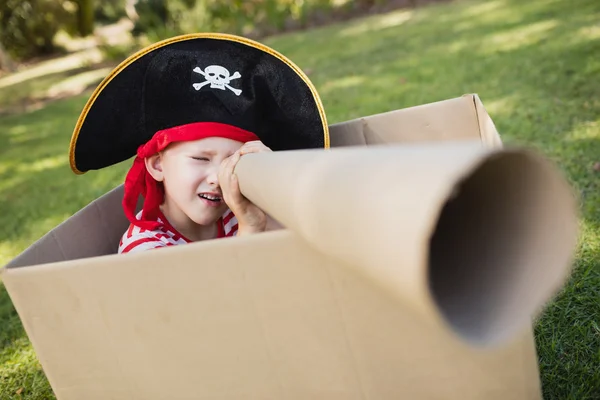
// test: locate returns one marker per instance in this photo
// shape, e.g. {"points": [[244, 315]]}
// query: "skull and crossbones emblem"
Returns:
{"points": [[218, 77]]}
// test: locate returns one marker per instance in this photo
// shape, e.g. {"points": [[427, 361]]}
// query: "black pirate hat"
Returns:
{"points": [[204, 77]]}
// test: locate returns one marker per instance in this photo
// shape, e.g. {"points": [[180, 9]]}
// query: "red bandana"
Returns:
{"points": [[140, 182]]}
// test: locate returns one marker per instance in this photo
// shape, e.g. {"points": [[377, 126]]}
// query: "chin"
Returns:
{"points": [[207, 218], [205, 221]]}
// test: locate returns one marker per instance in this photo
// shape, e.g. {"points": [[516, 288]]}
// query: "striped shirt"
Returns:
{"points": [[136, 239]]}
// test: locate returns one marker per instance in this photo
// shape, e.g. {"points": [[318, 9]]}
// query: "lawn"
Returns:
{"points": [[536, 66]]}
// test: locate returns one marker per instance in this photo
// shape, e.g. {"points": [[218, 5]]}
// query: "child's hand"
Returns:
{"points": [[251, 219]]}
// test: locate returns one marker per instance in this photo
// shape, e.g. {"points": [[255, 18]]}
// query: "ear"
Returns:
{"points": [[154, 166]]}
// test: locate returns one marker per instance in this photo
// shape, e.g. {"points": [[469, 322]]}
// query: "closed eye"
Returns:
{"points": [[201, 158]]}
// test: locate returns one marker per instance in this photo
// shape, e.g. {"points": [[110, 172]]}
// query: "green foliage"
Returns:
{"points": [[116, 53], [160, 18], [109, 11], [27, 27], [153, 19]]}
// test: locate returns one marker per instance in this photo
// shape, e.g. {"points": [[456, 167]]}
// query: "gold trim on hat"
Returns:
{"points": [[219, 36]]}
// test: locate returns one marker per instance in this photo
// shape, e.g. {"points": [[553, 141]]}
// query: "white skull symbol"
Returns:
{"points": [[218, 77]]}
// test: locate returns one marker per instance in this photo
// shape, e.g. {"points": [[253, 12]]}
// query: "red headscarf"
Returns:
{"points": [[139, 181]]}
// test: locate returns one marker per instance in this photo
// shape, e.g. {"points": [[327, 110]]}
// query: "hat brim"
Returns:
{"points": [[101, 135]]}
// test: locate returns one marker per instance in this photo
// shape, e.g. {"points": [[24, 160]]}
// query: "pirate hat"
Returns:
{"points": [[198, 78]]}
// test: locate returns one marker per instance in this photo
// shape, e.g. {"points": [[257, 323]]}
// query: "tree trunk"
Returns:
{"points": [[6, 62], [85, 17]]}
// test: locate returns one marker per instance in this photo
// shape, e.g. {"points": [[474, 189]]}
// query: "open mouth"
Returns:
{"points": [[210, 197]]}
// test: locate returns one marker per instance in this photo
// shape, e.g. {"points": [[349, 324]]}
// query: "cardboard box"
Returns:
{"points": [[314, 310]]}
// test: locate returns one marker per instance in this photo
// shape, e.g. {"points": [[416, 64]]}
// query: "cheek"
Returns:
{"points": [[194, 174], [181, 176]]}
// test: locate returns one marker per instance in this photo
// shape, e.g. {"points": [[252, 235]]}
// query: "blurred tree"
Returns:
{"points": [[28, 26], [159, 19], [6, 62], [152, 15], [85, 17], [109, 11]]}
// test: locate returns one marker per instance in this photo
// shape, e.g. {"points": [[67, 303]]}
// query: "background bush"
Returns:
{"points": [[109, 11], [159, 19], [27, 27]]}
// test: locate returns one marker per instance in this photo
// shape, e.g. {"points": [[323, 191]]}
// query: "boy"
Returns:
{"points": [[200, 195], [176, 106]]}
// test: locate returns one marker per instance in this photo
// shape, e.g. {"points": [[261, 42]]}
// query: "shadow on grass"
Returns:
{"points": [[34, 94]]}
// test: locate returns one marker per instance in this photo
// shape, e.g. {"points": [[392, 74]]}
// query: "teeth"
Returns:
{"points": [[209, 197]]}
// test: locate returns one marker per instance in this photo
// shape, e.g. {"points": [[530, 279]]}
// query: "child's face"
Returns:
{"points": [[189, 171]]}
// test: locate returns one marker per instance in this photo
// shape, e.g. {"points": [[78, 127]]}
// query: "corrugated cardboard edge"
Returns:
{"points": [[487, 128]]}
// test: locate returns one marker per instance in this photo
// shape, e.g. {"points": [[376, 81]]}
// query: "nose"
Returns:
{"points": [[212, 178]]}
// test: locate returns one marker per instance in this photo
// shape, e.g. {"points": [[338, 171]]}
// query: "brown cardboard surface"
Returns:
{"points": [[454, 119], [285, 314], [73, 239], [265, 317]]}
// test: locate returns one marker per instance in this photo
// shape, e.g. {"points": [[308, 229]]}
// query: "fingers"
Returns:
{"points": [[250, 218], [232, 162], [227, 167], [235, 187], [255, 146], [228, 180], [229, 183]]}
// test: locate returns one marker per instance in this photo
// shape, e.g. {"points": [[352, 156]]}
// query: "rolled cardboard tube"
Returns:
{"points": [[478, 239]]}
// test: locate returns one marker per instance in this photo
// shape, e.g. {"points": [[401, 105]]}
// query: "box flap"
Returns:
{"points": [[95, 230], [454, 119]]}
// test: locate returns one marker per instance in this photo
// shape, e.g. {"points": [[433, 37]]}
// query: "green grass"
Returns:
{"points": [[52, 79], [536, 66]]}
